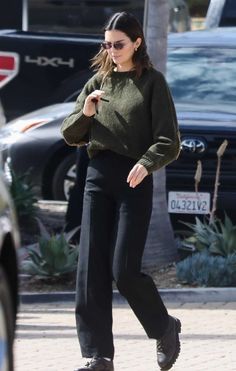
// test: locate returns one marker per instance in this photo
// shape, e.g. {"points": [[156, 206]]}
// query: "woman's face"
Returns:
{"points": [[123, 55]]}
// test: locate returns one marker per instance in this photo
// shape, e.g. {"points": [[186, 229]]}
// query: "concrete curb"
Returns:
{"points": [[183, 295]]}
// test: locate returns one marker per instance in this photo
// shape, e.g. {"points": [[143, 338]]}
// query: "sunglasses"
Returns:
{"points": [[117, 45]]}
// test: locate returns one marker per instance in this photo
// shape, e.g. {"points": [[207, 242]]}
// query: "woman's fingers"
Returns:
{"points": [[90, 106], [96, 95], [136, 175], [131, 173]]}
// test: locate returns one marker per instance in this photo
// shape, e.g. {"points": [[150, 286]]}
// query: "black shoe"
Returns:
{"points": [[97, 364], [168, 347]]}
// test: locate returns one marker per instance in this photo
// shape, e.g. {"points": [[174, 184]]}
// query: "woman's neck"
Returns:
{"points": [[122, 68]]}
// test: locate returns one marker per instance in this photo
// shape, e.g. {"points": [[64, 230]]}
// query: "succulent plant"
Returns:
{"points": [[53, 255], [23, 195], [219, 237]]}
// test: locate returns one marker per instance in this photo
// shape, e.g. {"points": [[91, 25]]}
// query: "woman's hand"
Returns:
{"points": [[91, 101], [136, 175]]}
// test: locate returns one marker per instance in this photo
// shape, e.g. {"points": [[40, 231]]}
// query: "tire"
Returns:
{"points": [[64, 178], [7, 325]]}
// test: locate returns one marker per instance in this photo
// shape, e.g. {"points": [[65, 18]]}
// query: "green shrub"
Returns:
{"points": [[203, 269], [52, 256]]}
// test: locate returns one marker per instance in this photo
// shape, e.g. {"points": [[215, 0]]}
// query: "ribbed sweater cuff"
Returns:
{"points": [[84, 118], [75, 128], [148, 164]]}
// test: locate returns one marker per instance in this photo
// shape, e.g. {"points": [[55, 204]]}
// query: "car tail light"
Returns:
{"points": [[9, 67]]}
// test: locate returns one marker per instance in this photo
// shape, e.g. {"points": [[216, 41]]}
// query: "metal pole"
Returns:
{"points": [[145, 14], [25, 19], [214, 12]]}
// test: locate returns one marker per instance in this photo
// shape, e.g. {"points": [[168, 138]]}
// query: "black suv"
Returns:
{"points": [[48, 60]]}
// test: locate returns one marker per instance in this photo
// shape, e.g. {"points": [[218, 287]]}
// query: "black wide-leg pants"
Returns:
{"points": [[113, 234]]}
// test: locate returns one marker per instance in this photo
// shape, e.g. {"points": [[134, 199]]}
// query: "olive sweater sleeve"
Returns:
{"points": [[166, 138], [75, 128]]}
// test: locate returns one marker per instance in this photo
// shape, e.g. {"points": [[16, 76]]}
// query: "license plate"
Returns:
{"points": [[189, 202]]}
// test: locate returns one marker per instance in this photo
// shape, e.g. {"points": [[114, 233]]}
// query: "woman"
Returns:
{"points": [[126, 113]]}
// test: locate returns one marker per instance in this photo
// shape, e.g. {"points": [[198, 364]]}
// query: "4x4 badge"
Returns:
{"points": [[52, 62]]}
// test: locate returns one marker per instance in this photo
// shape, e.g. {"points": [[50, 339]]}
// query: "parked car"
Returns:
{"points": [[221, 13], [9, 241], [201, 73]]}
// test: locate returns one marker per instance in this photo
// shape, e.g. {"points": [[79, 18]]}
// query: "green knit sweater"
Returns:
{"points": [[139, 121]]}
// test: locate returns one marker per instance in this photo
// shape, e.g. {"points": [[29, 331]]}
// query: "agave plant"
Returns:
{"points": [[53, 255], [22, 194], [226, 242], [218, 237]]}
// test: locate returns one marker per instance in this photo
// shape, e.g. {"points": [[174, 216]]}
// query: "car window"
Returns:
{"points": [[204, 75], [74, 16], [89, 16]]}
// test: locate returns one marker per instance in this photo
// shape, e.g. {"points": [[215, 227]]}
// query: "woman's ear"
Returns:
{"points": [[138, 43]]}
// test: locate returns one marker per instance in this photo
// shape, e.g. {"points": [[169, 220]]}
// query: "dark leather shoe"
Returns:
{"points": [[168, 347], [97, 364]]}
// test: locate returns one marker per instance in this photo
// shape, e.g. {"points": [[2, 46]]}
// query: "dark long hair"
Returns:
{"points": [[127, 23]]}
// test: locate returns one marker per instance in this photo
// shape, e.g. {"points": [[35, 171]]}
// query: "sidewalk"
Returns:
{"points": [[47, 341]]}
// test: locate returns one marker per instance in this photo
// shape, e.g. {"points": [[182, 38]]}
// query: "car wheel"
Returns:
{"points": [[6, 325], [64, 178]]}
